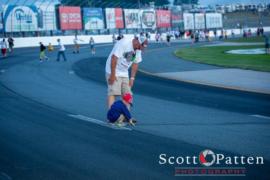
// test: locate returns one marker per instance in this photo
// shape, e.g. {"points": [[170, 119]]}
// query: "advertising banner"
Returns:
{"points": [[114, 18], [188, 21], [148, 18], [46, 17], [199, 21], [163, 18], [213, 20], [132, 18], [93, 18], [20, 18], [177, 18], [70, 18]]}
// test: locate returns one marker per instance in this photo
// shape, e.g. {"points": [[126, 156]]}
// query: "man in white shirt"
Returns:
{"points": [[125, 54], [61, 51]]}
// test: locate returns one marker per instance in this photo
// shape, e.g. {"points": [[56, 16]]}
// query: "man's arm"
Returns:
{"points": [[134, 69], [112, 77]]}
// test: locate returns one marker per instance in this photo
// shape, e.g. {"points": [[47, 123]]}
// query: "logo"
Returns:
{"points": [[208, 163], [207, 157]]}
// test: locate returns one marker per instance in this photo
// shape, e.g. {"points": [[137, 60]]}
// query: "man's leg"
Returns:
{"points": [[58, 56], [110, 100]]}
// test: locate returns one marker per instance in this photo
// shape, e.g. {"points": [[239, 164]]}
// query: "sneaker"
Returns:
{"points": [[132, 122]]}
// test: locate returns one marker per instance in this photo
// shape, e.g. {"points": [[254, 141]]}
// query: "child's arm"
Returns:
{"points": [[126, 113]]}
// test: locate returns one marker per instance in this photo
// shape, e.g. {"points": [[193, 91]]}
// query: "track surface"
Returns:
{"points": [[39, 140]]}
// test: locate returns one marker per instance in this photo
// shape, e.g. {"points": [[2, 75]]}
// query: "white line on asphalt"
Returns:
{"points": [[4, 175], [99, 122], [260, 116], [2, 70]]}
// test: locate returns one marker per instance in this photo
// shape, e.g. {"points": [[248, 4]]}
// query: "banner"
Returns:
{"points": [[199, 21], [132, 18], [70, 18], [46, 17], [213, 20], [148, 18], [20, 18], [177, 18], [188, 21], [114, 18], [93, 18], [163, 18]]}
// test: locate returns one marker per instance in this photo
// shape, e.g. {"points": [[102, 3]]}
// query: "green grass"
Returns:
{"points": [[216, 56], [246, 40]]}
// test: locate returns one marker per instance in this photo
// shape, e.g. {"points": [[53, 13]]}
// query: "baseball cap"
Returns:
{"points": [[127, 97]]}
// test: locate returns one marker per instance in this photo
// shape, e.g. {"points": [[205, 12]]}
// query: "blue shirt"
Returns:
{"points": [[116, 110]]}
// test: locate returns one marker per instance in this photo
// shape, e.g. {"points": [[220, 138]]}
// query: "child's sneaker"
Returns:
{"points": [[132, 122]]}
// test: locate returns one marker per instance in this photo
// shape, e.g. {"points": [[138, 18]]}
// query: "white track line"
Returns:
{"points": [[99, 122], [260, 116]]}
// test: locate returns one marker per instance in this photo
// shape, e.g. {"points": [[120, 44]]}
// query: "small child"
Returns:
{"points": [[119, 111], [50, 47]]}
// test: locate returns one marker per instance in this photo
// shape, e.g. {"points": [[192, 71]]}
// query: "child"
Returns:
{"points": [[42, 55], [50, 47], [119, 111], [92, 45]]}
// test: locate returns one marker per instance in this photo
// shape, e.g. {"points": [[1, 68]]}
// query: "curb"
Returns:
{"points": [[205, 83]]}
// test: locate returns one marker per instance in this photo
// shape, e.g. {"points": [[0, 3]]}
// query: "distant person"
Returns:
{"points": [[76, 45], [50, 47], [10, 43], [61, 51], [4, 48], [119, 112], [92, 45], [168, 39], [267, 44], [42, 55], [113, 39]]}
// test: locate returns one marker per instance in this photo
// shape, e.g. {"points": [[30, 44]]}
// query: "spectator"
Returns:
{"points": [[10, 43], [4, 48], [61, 51]]}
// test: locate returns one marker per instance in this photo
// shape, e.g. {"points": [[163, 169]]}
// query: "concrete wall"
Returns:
{"points": [[68, 40]]}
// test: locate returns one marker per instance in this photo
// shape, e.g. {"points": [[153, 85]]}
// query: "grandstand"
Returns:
{"points": [[246, 19], [114, 3]]}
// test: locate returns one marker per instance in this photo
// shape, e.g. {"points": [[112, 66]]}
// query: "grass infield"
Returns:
{"points": [[253, 39], [216, 56]]}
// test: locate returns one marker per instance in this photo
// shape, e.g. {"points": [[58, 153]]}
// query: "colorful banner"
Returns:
{"points": [[70, 18], [20, 18], [114, 18], [188, 21], [148, 18], [93, 18], [132, 18], [46, 17], [213, 20], [163, 18], [199, 21], [177, 18]]}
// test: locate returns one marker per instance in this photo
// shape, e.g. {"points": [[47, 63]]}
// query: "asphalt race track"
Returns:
{"points": [[52, 119]]}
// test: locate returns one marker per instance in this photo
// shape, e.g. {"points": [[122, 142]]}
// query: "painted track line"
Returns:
{"points": [[260, 116], [99, 122]]}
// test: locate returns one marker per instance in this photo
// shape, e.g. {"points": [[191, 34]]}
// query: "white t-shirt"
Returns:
{"points": [[126, 55], [61, 47]]}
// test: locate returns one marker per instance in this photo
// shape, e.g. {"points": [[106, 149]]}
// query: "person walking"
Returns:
{"points": [[10, 43], [76, 45], [125, 54], [4, 48], [92, 45], [61, 51], [42, 55]]}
